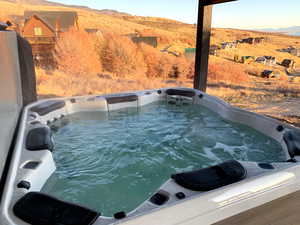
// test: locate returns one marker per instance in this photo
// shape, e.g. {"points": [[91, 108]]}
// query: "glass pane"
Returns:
{"points": [[255, 63], [37, 31], [112, 46]]}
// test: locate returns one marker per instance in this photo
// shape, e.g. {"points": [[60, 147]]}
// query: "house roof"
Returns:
{"points": [[261, 58], [65, 19], [267, 72], [151, 40], [92, 30], [45, 22]]}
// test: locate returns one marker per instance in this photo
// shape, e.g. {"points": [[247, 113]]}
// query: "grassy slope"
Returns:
{"points": [[181, 35], [273, 42], [117, 24]]}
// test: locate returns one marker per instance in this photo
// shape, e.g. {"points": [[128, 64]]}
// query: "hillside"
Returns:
{"points": [[49, 3], [33, 2], [171, 33], [108, 20], [177, 34], [273, 42], [243, 83], [180, 35]]}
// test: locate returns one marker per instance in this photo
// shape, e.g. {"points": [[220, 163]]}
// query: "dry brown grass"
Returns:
{"points": [[61, 84], [226, 71]]}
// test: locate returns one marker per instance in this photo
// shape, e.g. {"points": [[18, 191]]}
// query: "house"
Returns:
{"points": [[261, 60], [295, 52], [41, 29], [288, 49], [288, 63], [266, 60], [146, 40], [224, 45], [269, 74], [270, 60], [228, 45], [251, 40], [137, 39], [213, 50], [244, 59], [94, 31], [258, 40], [190, 53], [248, 40], [291, 50], [48, 24]]}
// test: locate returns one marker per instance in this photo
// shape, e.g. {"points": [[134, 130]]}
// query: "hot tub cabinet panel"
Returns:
{"points": [[85, 104], [260, 187]]}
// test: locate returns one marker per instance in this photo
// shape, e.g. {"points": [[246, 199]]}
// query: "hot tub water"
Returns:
{"points": [[113, 162]]}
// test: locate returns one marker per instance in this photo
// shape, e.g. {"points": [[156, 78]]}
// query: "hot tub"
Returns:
{"points": [[168, 156]]}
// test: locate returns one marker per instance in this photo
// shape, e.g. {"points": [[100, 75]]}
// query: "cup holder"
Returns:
{"points": [[160, 198]]}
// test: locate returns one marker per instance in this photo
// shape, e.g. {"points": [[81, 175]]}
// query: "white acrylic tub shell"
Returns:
{"points": [[205, 207]]}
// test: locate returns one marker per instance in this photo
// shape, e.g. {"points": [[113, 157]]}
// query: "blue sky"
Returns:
{"points": [[241, 14]]}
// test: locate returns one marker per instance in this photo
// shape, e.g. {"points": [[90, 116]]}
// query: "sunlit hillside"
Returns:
{"points": [[178, 33], [238, 83], [270, 47]]}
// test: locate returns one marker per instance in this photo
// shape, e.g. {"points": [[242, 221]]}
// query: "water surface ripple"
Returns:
{"points": [[114, 162]]}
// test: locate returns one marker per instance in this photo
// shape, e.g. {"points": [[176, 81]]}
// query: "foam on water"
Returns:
{"points": [[113, 162]]}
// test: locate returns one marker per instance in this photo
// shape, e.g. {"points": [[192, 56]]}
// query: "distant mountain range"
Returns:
{"points": [[36, 2], [45, 2], [295, 30]]}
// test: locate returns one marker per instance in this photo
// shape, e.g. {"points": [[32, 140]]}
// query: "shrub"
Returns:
{"points": [[183, 68], [164, 65], [158, 64], [227, 72], [121, 56], [188, 40], [75, 54]]}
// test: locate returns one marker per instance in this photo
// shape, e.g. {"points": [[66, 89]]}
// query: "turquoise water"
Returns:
{"points": [[114, 162]]}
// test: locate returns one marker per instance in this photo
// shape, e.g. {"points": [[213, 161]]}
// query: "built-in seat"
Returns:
{"points": [[39, 209], [121, 99], [212, 177], [179, 92], [292, 140], [49, 106], [39, 138]]}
